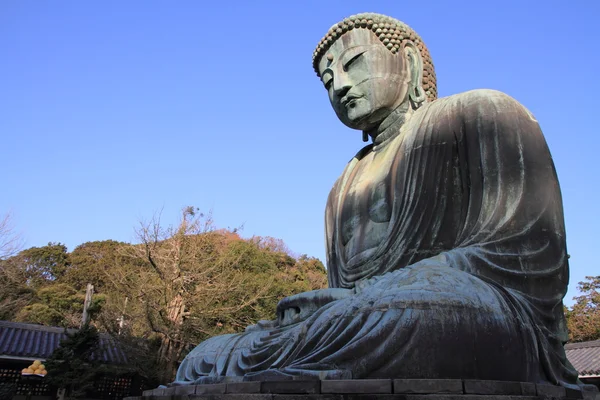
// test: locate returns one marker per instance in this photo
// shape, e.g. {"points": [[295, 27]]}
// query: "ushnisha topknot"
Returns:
{"points": [[392, 33]]}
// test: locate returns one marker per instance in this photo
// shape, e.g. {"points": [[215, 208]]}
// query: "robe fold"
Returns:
{"points": [[468, 281]]}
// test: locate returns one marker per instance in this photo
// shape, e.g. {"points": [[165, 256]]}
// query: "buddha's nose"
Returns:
{"points": [[341, 85], [341, 92]]}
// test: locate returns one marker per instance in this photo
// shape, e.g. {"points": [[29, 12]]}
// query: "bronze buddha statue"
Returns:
{"points": [[446, 251]]}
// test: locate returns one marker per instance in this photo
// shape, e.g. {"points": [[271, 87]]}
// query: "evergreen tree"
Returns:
{"points": [[75, 365]]}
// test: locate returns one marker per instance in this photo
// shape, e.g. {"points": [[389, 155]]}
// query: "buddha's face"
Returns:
{"points": [[365, 80]]}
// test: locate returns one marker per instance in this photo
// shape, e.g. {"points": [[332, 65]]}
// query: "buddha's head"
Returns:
{"points": [[370, 65]]}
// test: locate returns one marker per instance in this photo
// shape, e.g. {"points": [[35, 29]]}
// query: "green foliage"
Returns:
{"points": [[94, 262], [14, 291], [161, 297], [43, 264], [61, 296], [583, 319], [74, 365], [141, 356], [59, 305], [40, 314]]}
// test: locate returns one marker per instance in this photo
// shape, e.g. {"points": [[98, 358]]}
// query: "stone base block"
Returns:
{"points": [[370, 389]]}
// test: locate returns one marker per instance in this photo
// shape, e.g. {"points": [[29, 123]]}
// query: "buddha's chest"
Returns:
{"points": [[366, 206]]}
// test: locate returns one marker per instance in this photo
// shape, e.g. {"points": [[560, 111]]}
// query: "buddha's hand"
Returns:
{"points": [[302, 305], [262, 325]]}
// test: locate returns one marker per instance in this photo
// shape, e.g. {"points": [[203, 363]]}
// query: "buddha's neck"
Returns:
{"points": [[391, 125]]}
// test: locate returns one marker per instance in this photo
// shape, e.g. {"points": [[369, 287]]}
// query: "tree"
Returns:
{"points": [[24, 273], [95, 262], [110, 267], [192, 281], [74, 364], [10, 241], [583, 320], [182, 265], [15, 293], [178, 286], [14, 296], [59, 305], [43, 264]]}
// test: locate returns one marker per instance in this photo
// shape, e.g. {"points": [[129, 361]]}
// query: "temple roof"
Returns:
{"points": [[37, 342], [585, 357]]}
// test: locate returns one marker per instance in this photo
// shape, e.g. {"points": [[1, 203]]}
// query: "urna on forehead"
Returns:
{"points": [[393, 34]]}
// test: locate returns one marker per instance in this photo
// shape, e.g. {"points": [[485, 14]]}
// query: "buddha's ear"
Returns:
{"points": [[416, 93]]}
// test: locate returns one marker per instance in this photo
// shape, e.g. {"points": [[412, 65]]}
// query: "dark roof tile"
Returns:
{"points": [[585, 357], [38, 341]]}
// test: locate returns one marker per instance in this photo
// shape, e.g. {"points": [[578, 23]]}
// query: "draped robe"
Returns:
{"points": [[467, 281]]}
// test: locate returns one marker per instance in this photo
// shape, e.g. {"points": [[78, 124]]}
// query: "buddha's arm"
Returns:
{"points": [[514, 231]]}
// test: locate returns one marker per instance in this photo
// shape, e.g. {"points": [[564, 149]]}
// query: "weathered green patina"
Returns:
{"points": [[445, 236]]}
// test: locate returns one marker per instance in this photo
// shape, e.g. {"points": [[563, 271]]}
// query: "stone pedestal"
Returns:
{"points": [[370, 389]]}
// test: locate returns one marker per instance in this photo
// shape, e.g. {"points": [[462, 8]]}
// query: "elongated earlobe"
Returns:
{"points": [[417, 96], [416, 93]]}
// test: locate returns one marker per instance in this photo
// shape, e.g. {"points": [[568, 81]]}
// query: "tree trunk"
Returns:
{"points": [[168, 357], [171, 346]]}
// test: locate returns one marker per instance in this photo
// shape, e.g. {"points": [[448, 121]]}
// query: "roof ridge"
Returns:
{"points": [[37, 327], [581, 345]]}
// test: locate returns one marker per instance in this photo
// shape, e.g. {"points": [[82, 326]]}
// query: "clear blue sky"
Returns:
{"points": [[112, 110]]}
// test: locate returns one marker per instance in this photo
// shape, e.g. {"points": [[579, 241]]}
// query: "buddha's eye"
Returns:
{"points": [[348, 63]]}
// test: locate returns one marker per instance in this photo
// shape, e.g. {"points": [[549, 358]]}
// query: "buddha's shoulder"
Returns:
{"points": [[480, 101]]}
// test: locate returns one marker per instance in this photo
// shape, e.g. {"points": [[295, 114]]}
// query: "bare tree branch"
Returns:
{"points": [[11, 242]]}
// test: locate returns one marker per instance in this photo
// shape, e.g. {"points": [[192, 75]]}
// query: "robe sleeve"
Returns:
{"points": [[488, 203], [512, 231], [513, 234]]}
